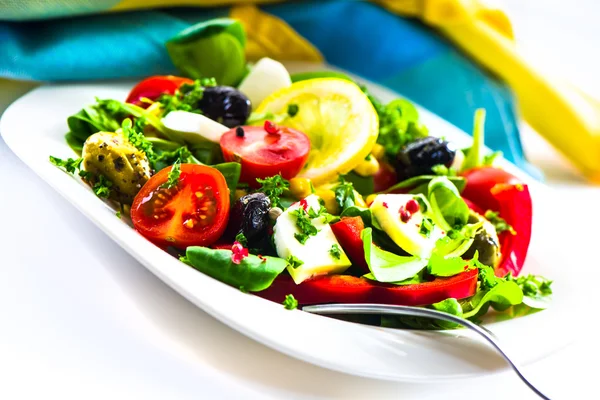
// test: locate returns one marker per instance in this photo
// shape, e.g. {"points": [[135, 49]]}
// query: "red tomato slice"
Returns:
{"points": [[193, 213], [153, 87], [264, 154]]}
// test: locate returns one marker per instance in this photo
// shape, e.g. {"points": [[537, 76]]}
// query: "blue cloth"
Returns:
{"points": [[363, 38]]}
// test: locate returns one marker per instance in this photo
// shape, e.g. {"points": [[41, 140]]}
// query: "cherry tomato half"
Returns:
{"points": [[192, 213], [153, 87], [264, 154]]}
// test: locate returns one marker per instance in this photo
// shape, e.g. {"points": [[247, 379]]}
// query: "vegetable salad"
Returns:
{"points": [[305, 188]]}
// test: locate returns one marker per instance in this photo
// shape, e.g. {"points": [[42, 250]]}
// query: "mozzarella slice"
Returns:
{"points": [[266, 76], [193, 128], [408, 235], [315, 252]]}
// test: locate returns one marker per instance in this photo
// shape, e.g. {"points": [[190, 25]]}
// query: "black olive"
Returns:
{"points": [[225, 105], [250, 216], [416, 158], [486, 247]]}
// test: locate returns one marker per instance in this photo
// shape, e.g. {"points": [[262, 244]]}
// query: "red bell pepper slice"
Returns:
{"points": [[350, 289], [153, 87], [494, 189], [347, 232]]}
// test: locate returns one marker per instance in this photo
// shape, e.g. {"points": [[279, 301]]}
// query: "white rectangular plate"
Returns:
{"points": [[34, 128]]}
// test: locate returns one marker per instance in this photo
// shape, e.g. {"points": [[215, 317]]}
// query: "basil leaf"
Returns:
{"points": [[231, 171], [417, 278], [253, 273], [419, 184], [212, 48], [364, 185], [386, 266], [302, 76], [503, 295], [448, 208]]}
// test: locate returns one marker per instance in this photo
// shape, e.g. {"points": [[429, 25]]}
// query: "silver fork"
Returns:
{"points": [[324, 309]]}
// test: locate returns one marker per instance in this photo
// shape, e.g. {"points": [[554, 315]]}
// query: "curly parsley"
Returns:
{"points": [[173, 177], [102, 188], [70, 165], [137, 139], [293, 261], [335, 251], [241, 238], [274, 187], [344, 194], [304, 224], [187, 97], [290, 303]]}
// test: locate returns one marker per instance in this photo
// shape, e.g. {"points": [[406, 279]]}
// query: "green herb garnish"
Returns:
{"points": [[290, 303], [173, 177], [274, 187], [241, 238], [293, 261], [335, 251], [304, 224], [426, 227], [137, 139], [70, 165], [292, 109], [102, 188], [498, 222], [344, 194]]}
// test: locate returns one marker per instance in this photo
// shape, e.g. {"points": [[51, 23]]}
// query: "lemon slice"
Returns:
{"points": [[338, 118]]}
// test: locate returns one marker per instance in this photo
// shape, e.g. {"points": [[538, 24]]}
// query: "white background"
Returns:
{"points": [[79, 318]]}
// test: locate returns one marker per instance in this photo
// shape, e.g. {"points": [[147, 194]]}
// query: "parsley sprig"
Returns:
{"points": [[335, 251], [293, 261], [290, 302], [344, 194], [304, 224], [274, 187], [187, 97], [173, 177]]}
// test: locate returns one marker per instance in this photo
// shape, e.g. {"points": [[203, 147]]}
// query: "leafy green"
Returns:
{"points": [[499, 223], [231, 172], [290, 303], [501, 296], [293, 261], [118, 214], [107, 116], [417, 278], [450, 306], [302, 76], [457, 241], [173, 177], [439, 265], [386, 266], [398, 125], [365, 185], [537, 291], [137, 139], [74, 142], [304, 224], [474, 157], [253, 273], [167, 158], [419, 184], [274, 187], [102, 188], [442, 170], [426, 227], [335, 251], [70, 165], [241, 239], [449, 210], [214, 48], [344, 194], [186, 97]]}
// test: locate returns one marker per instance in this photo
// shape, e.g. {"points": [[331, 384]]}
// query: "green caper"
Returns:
{"points": [[111, 155]]}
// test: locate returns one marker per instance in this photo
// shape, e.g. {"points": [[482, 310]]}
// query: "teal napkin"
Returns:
{"points": [[357, 36]]}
